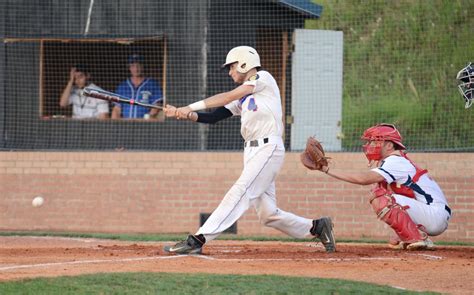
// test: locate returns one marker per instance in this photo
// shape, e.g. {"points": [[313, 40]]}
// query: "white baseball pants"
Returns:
{"points": [[434, 217], [256, 187]]}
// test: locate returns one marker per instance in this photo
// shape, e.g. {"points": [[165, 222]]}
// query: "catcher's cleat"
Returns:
{"points": [[425, 244], [322, 229], [395, 243], [398, 246], [192, 245]]}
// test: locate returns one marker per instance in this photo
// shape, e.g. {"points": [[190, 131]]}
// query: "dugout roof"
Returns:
{"points": [[307, 8]]}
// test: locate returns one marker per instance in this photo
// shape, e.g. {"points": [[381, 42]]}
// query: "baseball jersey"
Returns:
{"points": [[399, 170], [261, 114], [84, 107], [148, 92]]}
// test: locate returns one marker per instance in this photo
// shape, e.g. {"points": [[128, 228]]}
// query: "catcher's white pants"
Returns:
{"points": [[256, 187], [434, 217]]}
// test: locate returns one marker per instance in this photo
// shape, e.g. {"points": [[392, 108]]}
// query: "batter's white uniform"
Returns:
{"points": [[430, 208], [84, 107], [262, 129]]}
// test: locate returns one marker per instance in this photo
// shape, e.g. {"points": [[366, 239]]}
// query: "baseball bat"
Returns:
{"points": [[114, 97]]}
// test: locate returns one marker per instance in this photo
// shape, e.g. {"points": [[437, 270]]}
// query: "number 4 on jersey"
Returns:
{"points": [[252, 106]]}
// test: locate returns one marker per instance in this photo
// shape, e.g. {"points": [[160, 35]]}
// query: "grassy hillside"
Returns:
{"points": [[400, 63]]}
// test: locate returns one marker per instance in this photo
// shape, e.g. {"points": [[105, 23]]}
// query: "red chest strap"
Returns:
{"points": [[404, 190], [419, 171]]}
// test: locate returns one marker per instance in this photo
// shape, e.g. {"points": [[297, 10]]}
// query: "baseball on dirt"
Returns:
{"points": [[37, 201]]}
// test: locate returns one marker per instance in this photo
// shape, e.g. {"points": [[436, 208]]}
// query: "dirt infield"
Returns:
{"points": [[447, 270]]}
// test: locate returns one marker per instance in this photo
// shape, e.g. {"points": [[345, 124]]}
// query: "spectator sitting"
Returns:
{"points": [[140, 89], [83, 107]]}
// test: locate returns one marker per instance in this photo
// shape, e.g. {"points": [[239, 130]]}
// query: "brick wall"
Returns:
{"points": [[164, 192]]}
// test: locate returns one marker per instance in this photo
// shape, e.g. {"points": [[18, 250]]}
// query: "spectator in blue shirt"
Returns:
{"points": [[140, 89]]}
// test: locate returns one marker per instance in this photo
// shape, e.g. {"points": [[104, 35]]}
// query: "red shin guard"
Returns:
{"points": [[394, 215]]}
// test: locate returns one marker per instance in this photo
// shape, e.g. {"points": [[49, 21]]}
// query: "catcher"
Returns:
{"points": [[404, 196]]}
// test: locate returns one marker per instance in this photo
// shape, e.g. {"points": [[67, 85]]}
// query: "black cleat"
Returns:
{"points": [[322, 229], [192, 245]]}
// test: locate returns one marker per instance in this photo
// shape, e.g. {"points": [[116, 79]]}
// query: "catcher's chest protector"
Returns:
{"points": [[405, 188]]}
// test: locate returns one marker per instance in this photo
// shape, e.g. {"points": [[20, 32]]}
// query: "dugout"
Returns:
{"points": [[188, 41]]}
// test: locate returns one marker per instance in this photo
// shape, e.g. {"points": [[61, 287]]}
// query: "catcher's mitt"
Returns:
{"points": [[313, 156]]}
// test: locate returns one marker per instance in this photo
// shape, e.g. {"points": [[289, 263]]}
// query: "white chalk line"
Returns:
{"points": [[39, 265], [83, 240], [85, 262], [101, 242], [297, 259], [429, 257]]}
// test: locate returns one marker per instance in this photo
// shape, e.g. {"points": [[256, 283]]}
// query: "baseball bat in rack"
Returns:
{"points": [[114, 97]]}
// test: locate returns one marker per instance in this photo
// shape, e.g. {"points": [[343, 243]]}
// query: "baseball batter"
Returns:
{"points": [[257, 101], [404, 197]]}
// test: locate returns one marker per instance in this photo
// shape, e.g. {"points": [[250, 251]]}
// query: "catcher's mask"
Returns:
{"points": [[466, 86], [380, 132], [246, 58]]}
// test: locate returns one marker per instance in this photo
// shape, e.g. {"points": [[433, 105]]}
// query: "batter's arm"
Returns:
{"points": [[224, 98], [217, 115], [215, 101]]}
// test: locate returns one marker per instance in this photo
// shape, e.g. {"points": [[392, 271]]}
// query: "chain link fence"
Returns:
{"points": [[342, 66]]}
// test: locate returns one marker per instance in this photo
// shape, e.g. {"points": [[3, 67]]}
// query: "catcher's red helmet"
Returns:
{"points": [[384, 131]]}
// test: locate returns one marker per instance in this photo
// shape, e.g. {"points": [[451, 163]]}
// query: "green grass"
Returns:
{"points": [[164, 283], [400, 63]]}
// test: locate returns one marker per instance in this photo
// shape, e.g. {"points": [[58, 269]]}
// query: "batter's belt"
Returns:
{"points": [[262, 141]]}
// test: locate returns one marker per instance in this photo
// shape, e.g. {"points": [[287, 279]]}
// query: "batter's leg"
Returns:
{"points": [[231, 208], [270, 215], [259, 173], [291, 224]]}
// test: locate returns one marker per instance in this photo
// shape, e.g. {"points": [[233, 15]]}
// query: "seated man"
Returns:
{"points": [[404, 197], [140, 89], [83, 107]]}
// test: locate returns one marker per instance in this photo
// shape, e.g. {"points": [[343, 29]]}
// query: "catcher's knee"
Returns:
{"points": [[381, 201], [394, 215]]}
